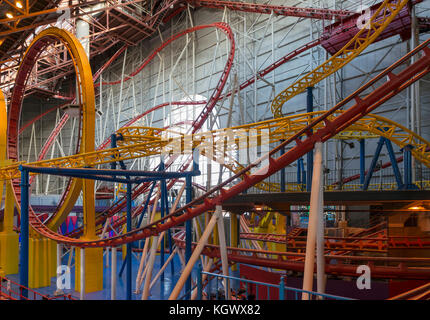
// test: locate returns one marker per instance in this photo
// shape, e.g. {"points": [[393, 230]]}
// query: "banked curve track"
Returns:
{"points": [[304, 139], [53, 34]]}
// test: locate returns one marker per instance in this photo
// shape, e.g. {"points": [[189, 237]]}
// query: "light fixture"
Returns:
{"points": [[19, 4], [9, 15], [416, 208]]}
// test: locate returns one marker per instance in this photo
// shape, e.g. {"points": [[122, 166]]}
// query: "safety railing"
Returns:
{"points": [[383, 180], [11, 290], [253, 290]]}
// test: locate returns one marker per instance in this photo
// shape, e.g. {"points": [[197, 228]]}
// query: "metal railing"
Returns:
{"points": [[382, 180], [252, 289], [11, 290]]}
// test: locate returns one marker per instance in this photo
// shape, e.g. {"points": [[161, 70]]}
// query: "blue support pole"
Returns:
{"points": [[282, 172], [169, 232], [146, 204], [129, 254], [304, 178], [199, 281], [162, 208], [393, 160], [373, 163], [407, 168], [188, 235], [407, 165], [310, 154], [113, 145], [23, 259], [362, 161]]}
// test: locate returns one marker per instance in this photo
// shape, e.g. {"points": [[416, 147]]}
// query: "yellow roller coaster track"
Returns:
{"points": [[382, 17], [3, 136], [87, 101], [132, 146]]}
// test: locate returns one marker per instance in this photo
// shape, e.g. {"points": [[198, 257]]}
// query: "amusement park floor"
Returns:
{"points": [[156, 292]]}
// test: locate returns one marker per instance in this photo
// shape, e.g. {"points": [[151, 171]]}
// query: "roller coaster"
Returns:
{"points": [[295, 136]]}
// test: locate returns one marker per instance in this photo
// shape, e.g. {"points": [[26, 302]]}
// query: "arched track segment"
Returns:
{"points": [[197, 124], [248, 82], [305, 140], [69, 198], [106, 143], [280, 129], [225, 28], [86, 88], [145, 141], [382, 17]]}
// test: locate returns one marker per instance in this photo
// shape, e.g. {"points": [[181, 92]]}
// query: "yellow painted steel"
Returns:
{"points": [[234, 235], [87, 101], [93, 269], [278, 129], [9, 239], [42, 262], [3, 136], [388, 10], [371, 126], [42, 253]]}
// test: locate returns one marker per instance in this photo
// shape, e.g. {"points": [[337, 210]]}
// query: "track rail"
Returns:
{"points": [[335, 265], [382, 17], [311, 13], [376, 244], [305, 140]]}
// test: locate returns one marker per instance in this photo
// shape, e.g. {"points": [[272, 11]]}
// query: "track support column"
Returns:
{"points": [[196, 254], [9, 239], [310, 154], [188, 234], [129, 253], [315, 227], [25, 199], [113, 274], [362, 161]]}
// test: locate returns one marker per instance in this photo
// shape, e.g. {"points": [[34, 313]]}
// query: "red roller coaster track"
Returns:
{"points": [[31, 57], [312, 13], [395, 84], [335, 265]]}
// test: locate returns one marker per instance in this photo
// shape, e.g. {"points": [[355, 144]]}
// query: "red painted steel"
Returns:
{"points": [[337, 35], [311, 13], [393, 85], [335, 265]]}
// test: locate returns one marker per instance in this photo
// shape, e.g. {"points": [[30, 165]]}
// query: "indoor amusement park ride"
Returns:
{"points": [[293, 137]]}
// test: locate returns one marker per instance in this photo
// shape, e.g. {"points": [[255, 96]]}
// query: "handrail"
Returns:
{"points": [[280, 286]]}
